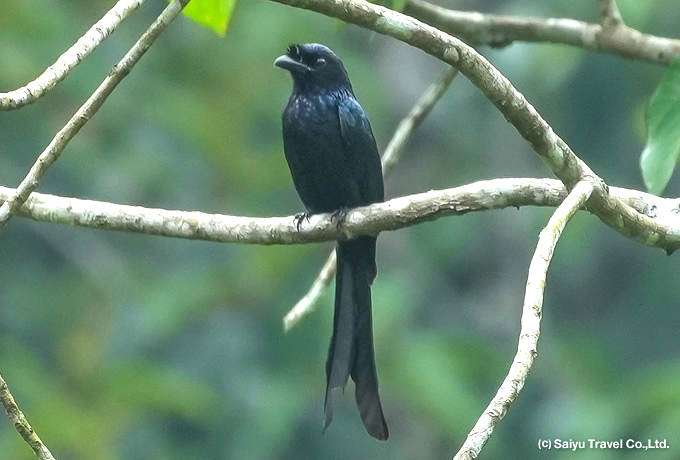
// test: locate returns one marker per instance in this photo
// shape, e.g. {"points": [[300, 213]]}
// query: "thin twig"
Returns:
{"points": [[530, 324], [415, 117], [71, 58], [391, 215], [611, 16], [21, 424], [87, 110], [502, 30], [307, 304]]}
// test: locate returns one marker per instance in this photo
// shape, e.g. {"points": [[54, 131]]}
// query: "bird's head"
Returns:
{"points": [[314, 66]]}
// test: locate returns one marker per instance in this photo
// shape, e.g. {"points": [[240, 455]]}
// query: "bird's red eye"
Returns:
{"points": [[320, 62]]}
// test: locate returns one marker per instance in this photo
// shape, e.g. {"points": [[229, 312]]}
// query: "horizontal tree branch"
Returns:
{"points": [[71, 58], [390, 215], [530, 329], [501, 30], [87, 110]]}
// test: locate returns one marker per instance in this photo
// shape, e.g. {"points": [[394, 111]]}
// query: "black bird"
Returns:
{"points": [[335, 165]]}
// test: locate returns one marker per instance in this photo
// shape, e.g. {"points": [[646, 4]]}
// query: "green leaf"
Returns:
{"points": [[214, 14], [662, 151]]}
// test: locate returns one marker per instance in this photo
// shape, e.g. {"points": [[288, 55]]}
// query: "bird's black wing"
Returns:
{"points": [[361, 152]]}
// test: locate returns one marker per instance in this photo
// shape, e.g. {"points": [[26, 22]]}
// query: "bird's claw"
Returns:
{"points": [[339, 217], [299, 217]]}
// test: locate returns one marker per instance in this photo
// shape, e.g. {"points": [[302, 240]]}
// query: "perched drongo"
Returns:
{"points": [[335, 165]]}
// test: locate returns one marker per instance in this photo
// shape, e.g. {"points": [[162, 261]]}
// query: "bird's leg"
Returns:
{"points": [[339, 217], [299, 217]]}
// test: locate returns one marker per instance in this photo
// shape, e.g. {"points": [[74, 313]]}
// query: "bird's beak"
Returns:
{"points": [[290, 64]]}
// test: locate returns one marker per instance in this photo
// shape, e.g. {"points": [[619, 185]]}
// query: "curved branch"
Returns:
{"points": [[390, 158], [390, 215], [72, 57], [530, 324], [559, 157], [501, 30], [87, 110], [21, 424], [510, 102]]}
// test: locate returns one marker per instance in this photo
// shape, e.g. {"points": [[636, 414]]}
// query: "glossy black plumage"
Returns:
{"points": [[335, 165]]}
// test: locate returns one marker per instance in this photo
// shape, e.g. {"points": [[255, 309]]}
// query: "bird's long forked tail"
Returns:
{"points": [[351, 349]]}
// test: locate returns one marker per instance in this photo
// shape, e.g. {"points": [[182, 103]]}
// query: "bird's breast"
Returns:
{"points": [[313, 122], [313, 109]]}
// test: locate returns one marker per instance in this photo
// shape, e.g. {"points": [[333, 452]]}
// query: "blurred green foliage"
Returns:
{"points": [[138, 347]]}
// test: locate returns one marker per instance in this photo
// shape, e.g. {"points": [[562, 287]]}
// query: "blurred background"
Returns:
{"points": [[126, 346]]}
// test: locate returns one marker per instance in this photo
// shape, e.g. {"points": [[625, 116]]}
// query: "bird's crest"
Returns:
{"points": [[293, 50]]}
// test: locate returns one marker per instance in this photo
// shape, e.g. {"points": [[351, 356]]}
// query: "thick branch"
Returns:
{"points": [[390, 158], [87, 110], [71, 58], [390, 215], [21, 424], [501, 30], [530, 324]]}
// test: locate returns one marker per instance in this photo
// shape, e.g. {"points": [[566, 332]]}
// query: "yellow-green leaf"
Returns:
{"points": [[214, 14]]}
